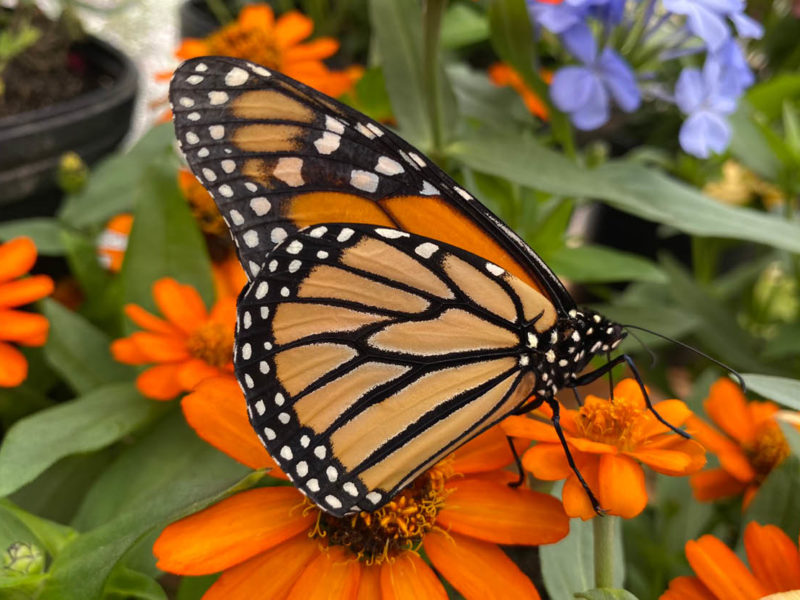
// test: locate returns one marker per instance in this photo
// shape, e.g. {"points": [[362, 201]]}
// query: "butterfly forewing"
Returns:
{"points": [[278, 156], [367, 353]]}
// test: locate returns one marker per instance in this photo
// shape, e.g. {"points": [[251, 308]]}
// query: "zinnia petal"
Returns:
{"points": [[500, 514], [721, 570], [192, 372], [158, 347], [292, 27], [685, 457], [159, 382], [25, 291], [150, 322], [13, 366], [231, 531], [673, 412], [730, 455], [687, 588], [192, 48], [773, 557], [268, 575], [532, 429], [369, 586], [547, 462], [478, 570], [576, 500], [17, 257], [333, 574], [409, 578], [621, 489], [318, 49], [714, 484], [180, 304], [216, 410], [727, 406], [257, 16], [126, 351], [487, 452], [22, 327], [224, 311]]}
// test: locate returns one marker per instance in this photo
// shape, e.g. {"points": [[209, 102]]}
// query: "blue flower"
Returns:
{"points": [[707, 97], [585, 92], [707, 19], [559, 18]]}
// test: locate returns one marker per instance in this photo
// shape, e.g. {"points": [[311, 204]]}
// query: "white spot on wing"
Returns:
{"points": [[236, 76], [494, 269], [388, 166], [217, 132], [260, 205], [328, 143], [217, 97], [289, 170], [428, 189], [391, 234], [364, 180], [228, 165], [334, 125], [250, 238], [426, 249]]}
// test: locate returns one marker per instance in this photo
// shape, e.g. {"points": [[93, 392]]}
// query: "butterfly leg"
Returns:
{"points": [[624, 358], [556, 419], [518, 462]]}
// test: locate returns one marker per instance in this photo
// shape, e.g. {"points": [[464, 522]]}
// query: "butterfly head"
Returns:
{"points": [[563, 352]]}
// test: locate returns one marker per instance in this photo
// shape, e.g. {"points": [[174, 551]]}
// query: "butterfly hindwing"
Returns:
{"points": [[368, 353], [278, 156]]}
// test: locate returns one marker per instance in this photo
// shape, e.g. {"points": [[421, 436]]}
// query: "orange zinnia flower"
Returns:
{"points": [[608, 440], [229, 277], [753, 446], [16, 259], [202, 204], [277, 44], [503, 75], [190, 345], [721, 575], [113, 242], [270, 542]]}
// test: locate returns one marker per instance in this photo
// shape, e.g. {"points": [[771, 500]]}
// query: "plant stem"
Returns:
{"points": [[432, 14], [604, 530]]}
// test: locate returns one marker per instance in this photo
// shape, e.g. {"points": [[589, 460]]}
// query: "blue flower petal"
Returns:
{"points": [[579, 41], [571, 88], [705, 132], [705, 18], [689, 91], [747, 27], [596, 111], [556, 17], [620, 80]]}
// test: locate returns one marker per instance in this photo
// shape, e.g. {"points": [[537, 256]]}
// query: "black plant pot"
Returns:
{"points": [[92, 124]]}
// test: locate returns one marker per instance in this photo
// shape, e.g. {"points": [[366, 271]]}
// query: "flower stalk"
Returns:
{"points": [[604, 531], [432, 15]]}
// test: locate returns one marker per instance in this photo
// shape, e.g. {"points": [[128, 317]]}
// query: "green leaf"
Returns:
{"points": [[775, 501], [51, 536], [85, 424], [778, 389], [79, 351], [630, 187], [193, 588], [398, 35], [792, 436], [768, 96], [596, 264], [499, 108], [462, 26], [164, 242], [45, 233], [125, 583], [192, 477], [114, 185], [568, 566], [791, 128], [717, 326], [749, 145], [606, 594]]}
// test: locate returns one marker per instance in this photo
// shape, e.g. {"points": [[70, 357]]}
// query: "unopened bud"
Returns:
{"points": [[72, 173], [23, 558]]}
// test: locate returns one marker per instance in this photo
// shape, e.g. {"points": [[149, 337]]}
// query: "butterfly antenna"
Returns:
{"points": [[645, 347], [719, 363]]}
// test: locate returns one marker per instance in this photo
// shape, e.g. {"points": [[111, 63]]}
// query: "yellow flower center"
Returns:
{"points": [[768, 450], [212, 343], [253, 44], [396, 527], [615, 422]]}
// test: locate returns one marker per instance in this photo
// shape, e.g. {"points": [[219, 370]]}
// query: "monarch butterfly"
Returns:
{"points": [[389, 316]]}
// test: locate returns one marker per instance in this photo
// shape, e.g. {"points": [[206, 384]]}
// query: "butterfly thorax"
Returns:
{"points": [[558, 355]]}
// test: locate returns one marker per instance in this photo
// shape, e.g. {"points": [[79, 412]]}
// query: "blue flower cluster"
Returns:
{"points": [[676, 29]]}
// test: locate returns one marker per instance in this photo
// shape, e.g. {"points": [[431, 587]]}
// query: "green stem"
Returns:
{"points": [[220, 11], [604, 531], [432, 14]]}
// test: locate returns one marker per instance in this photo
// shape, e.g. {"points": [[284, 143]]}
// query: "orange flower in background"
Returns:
{"points": [[202, 204], [503, 75], [721, 575], [608, 440], [258, 36], [750, 447], [188, 346], [113, 242], [229, 277], [270, 542], [17, 257]]}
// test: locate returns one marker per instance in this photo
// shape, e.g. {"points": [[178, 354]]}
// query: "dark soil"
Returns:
{"points": [[49, 71]]}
